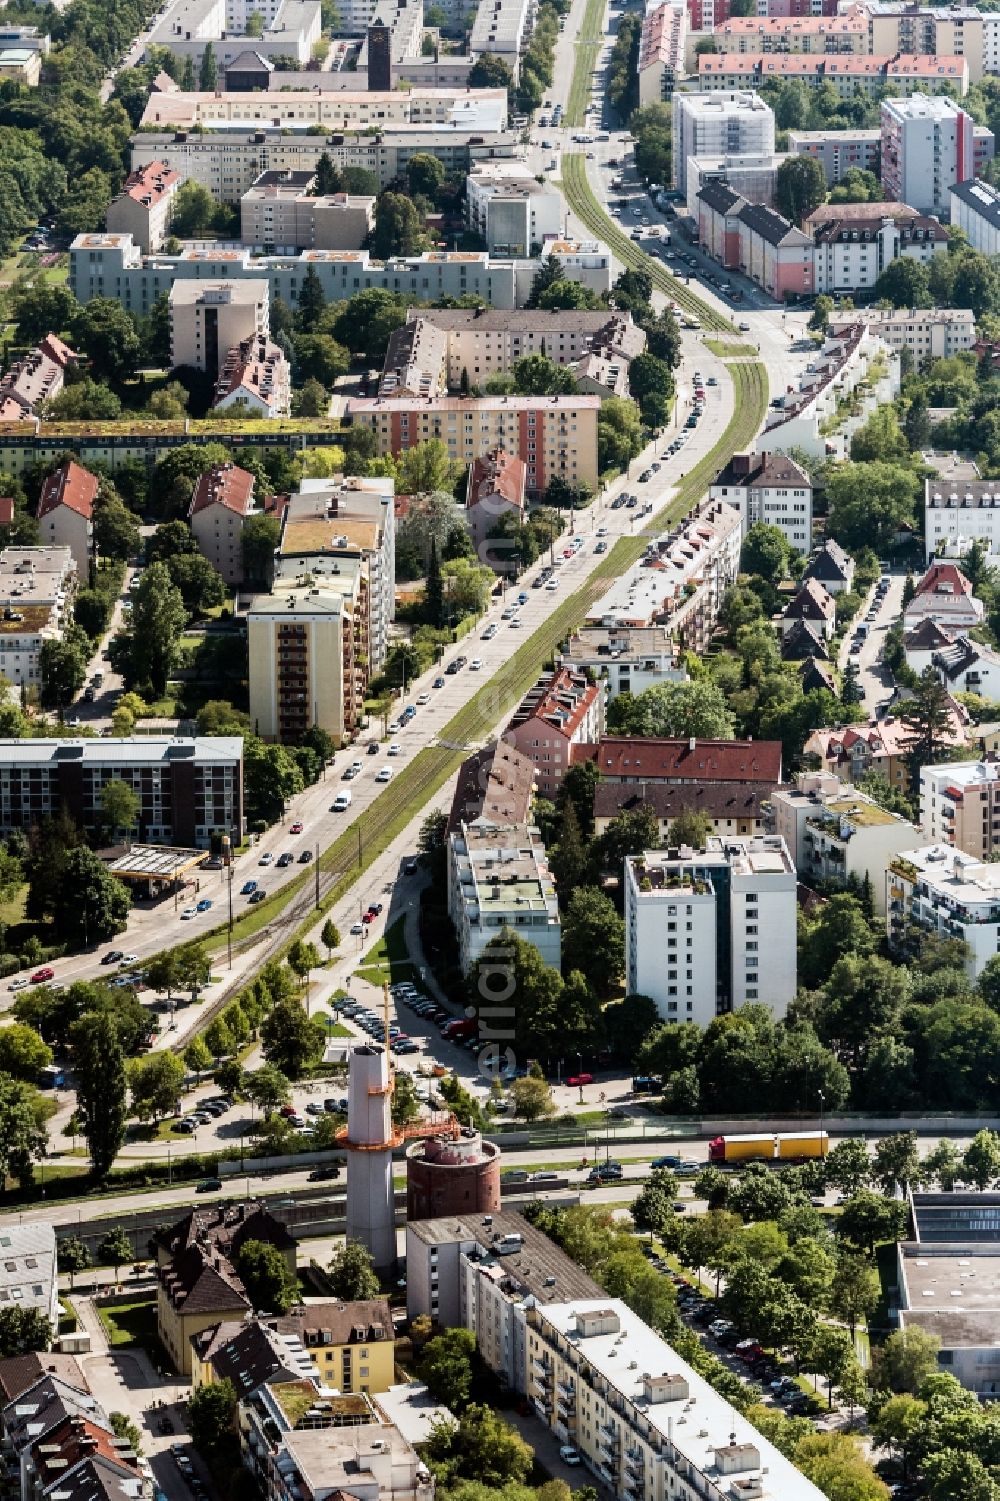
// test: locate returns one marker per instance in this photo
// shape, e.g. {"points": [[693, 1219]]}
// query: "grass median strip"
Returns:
{"points": [[588, 46]]}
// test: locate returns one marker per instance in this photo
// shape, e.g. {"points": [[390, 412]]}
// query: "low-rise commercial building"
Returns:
{"points": [[838, 151], [189, 789], [207, 320], [942, 890], [733, 123], [928, 333], [626, 659], [499, 880], [508, 208], [20, 65], [143, 207], [66, 514], [563, 712], [835, 833], [708, 931], [554, 435], [951, 1292], [769, 488], [844, 382], [681, 581], [282, 212], [848, 73], [662, 47]]}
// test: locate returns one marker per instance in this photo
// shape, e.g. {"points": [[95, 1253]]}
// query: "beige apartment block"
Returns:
{"points": [[207, 319], [280, 210], [308, 648], [143, 207]]}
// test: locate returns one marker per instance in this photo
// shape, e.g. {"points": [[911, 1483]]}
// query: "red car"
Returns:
{"points": [[296, 828], [576, 1079], [367, 917], [41, 975], [287, 1111]]}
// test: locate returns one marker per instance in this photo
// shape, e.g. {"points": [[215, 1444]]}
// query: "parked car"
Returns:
{"points": [[208, 1186]]}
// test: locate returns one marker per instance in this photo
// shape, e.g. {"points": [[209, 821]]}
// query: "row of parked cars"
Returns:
{"points": [[207, 1111], [373, 1023], [761, 1367]]}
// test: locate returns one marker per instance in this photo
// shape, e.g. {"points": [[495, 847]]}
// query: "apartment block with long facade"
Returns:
{"points": [[940, 889], [503, 28], [823, 35], [844, 382], [960, 806], [662, 47], [838, 151], [959, 30], [188, 788], [928, 333], [338, 110], [556, 436], [835, 833], [848, 73], [708, 931], [499, 880]]}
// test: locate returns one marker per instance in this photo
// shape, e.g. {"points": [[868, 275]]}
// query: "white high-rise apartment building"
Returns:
{"points": [[707, 931], [738, 123], [927, 147]]}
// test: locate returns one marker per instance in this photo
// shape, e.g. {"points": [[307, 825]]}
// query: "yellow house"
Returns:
{"points": [[199, 1285], [348, 1346]]}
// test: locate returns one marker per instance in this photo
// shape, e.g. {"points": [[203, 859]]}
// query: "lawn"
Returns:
{"points": [[730, 351], [130, 1321], [388, 961]]}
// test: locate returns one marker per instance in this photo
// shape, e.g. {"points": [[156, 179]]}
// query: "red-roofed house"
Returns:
{"points": [[945, 596], [143, 207], [496, 485], [561, 713], [221, 503], [883, 745], [66, 513], [635, 759]]}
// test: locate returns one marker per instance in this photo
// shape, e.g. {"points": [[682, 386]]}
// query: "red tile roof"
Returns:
{"points": [[563, 702], [150, 183], [497, 473], [944, 578], [690, 760], [6, 510], [225, 485], [58, 352], [72, 486]]}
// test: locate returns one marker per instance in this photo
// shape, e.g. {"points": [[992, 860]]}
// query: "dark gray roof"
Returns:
{"points": [[772, 471], [831, 562], [539, 1267], [803, 639], [817, 674], [769, 224], [719, 196], [249, 61], [980, 197]]}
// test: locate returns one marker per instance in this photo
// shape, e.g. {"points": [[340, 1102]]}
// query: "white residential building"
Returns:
{"points": [[28, 1273], [207, 320], [854, 242], [734, 123], [960, 806], [627, 659], [967, 666], [291, 28], [643, 1420], [858, 358], [927, 147], [928, 333], [510, 210], [498, 878], [769, 488], [661, 49], [685, 910], [682, 579], [503, 28], [834, 833], [944, 596], [945, 891], [975, 210], [37, 585], [958, 507]]}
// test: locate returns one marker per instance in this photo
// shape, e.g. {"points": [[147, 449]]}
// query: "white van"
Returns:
{"points": [[341, 802]]}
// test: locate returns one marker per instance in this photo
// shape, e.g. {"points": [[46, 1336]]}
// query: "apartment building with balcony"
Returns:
{"points": [[927, 147], [847, 379], [499, 879], [308, 648], [643, 1421], [207, 320], [835, 833], [848, 73], [281, 211], [708, 931], [928, 333], [627, 659], [960, 806], [838, 151], [942, 890], [959, 509]]}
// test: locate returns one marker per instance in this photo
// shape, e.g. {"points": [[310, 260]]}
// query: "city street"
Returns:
{"points": [[874, 678]]}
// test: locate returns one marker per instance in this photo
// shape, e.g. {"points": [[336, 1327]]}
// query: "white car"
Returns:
{"points": [[394, 726], [476, 665], [395, 749], [552, 583], [357, 928], [568, 1454], [423, 698], [188, 913], [19, 983], [133, 958], [266, 859], [384, 774]]}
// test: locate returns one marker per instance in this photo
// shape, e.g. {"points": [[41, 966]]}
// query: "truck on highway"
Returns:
{"points": [[792, 1146]]}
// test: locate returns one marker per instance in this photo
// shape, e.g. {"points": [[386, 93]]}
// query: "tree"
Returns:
{"points": [[23, 1054], [63, 669], [595, 935], [869, 502], [905, 284], [868, 1218], [352, 1275], [89, 905], [120, 805], [398, 228], [830, 1354], [896, 1161], [311, 302], [219, 1039], [425, 175], [766, 551], [854, 1290], [270, 1286], [116, 531], [822, 308], [290, 1039], [115, 1248], [434, 589], [211, 1414], [267, 1087], [759, 1194], [841, 929], [427, 469], [531, 1099], [944, 1164], [981, 1163], [100, 1088], [446, 1366], [328, 178], [330, 937], [800, 187], [208, 71], [258, 541], [693, 710], [123, 1427], [303, 958], [147, 652], [482, 1450], [653, 1207], [201, 586], [490, 72], [105, 333], [836, 1466], [22, 1331], [73, 1257], [905, 1360], [197, 1056], [22, 1139], [156, 1083], [899, 1424], [917, 423], [847, 1166], [39, 308], [926, 718]]}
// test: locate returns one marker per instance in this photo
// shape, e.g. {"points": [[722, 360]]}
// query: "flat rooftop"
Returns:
{"points": [[538, 1266], [956, 1219], [859, 811]]}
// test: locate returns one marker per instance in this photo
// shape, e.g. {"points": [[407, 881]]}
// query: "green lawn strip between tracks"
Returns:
{"points": [[588, 46]]}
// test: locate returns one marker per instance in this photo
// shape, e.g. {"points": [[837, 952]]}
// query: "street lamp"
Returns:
{"points": [[579, 1059], [822, 1102]]}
